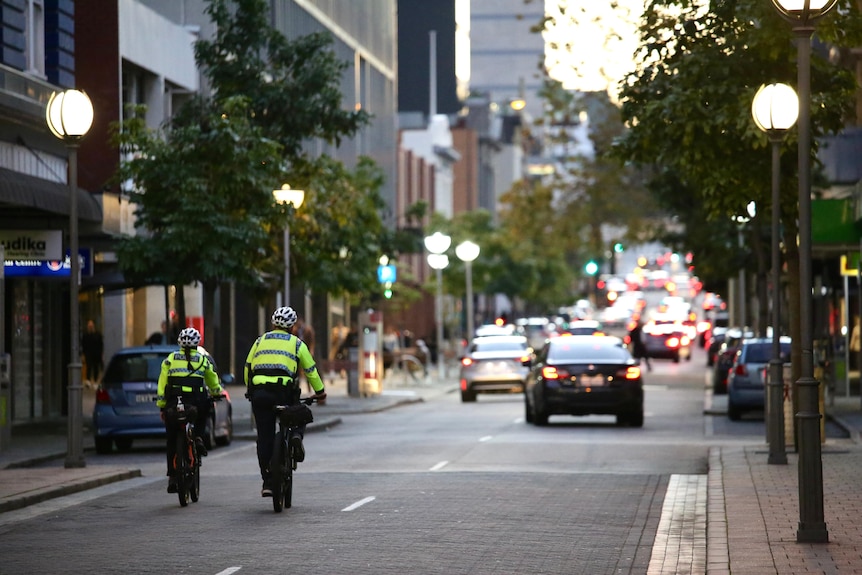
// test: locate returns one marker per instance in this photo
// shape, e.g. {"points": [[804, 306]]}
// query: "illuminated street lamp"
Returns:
{"points": [[802, 14], [437, 243], [467, 252], [287, 196], [69, 116], [775, 109]]}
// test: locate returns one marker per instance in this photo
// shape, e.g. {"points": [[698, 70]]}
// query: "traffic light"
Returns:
{"points": [[619, 248], [387, 293], [591, 268]]}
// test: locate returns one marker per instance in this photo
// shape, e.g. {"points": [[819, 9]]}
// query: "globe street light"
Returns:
{"points": [[437, 243], [69, 116], [802, 14], [775, 109], [288, 197], [467, 252]]}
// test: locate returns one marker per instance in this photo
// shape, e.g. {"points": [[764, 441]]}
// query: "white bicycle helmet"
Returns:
{"points": [[189, 337], [284, 317]]}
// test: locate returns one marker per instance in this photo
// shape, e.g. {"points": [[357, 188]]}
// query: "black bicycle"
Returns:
{"points": [[187, 461], [283, 463]]}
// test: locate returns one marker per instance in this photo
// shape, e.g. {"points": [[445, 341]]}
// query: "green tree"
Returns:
{"points": [[688, 105]]}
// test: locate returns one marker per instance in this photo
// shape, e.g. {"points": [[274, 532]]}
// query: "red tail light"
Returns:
{"points": [[466, 362], [632, 372], [102, 396], [550, 372], [740, 369], [672, 342]]}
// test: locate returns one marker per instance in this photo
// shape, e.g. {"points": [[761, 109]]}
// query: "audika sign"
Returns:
{"points": [[49, 268], [32, 244]]}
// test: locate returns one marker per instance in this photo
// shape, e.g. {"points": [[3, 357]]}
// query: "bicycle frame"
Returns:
{"points": [[283, 462]]}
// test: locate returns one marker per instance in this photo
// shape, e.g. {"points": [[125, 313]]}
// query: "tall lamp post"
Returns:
{"points": [[287, 196], [802, 14], [437, 244], [775, 109], [467, 252], [69, 116]]}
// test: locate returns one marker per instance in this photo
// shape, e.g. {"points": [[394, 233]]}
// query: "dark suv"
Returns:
{"points": [[733, 339]]}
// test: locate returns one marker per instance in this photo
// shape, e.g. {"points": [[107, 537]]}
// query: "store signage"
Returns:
{"points": [[32, 244], [50, 268]]}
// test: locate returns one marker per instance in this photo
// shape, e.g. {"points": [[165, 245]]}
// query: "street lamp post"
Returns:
{"points": [[802, 14], [775, 109], [467, 252], [289, 197], [69, 116], [437, 243]]}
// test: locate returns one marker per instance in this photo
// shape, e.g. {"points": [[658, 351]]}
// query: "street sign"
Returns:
{"points": [[386, 274]]}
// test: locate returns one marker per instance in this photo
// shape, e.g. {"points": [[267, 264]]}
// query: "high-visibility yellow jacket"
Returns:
{"points": [[276, 358], [190, 376]]}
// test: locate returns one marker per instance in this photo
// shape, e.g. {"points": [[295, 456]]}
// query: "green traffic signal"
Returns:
{"points": [[591, 268], [387, 294], [619, 248]]}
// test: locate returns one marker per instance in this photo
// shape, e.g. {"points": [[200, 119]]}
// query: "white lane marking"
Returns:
{"points": [[359, 503], [486, 438], [229, 570], [440, 465]]}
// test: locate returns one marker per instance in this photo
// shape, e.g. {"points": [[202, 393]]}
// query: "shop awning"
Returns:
{"points": [[24, 191]]}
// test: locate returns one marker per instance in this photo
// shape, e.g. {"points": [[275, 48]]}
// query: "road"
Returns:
{"points": [[434, 487]]}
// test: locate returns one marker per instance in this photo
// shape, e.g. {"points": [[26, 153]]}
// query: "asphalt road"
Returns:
{"points": [[434, 487]]}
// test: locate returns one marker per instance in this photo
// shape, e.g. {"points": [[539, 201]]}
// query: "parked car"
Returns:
{"points": [[126, 409], [583, 375], [493, 364], [733, 338], [745, 383], [714, 345], [667, 341], [536, 330]]}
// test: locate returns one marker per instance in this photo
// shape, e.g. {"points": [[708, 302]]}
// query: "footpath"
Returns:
{"points": [[742, 518]]}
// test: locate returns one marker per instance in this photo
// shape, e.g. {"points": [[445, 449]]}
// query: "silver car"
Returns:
{"points": [[494, 364]]}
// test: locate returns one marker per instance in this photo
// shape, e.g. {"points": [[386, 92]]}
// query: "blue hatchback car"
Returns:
{"points": [[745, 380], [126, 409]]}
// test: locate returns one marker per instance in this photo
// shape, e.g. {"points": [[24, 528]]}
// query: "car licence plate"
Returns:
{"points": [[591, 381], [145, 398]]}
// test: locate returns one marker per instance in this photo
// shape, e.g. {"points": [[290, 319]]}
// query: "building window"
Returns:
{"points": [[35, 37]]}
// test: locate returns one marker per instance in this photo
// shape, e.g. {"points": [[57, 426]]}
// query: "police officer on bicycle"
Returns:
{"points": [[271, 376], [189, 374]]}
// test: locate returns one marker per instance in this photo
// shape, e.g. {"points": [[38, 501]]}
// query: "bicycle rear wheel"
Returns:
{"points": [[277, 470], [182, 470], [195, 475]]}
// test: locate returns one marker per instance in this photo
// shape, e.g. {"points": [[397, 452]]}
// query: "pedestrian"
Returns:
{"points": [[636, 341], [93, 349], [158, 337], [271, 377], [190, 375]]}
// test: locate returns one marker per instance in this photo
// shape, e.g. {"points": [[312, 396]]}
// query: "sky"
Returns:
{"points": [[595, 40]]}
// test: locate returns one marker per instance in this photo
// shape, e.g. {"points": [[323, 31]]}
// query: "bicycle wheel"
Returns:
{"points": [[289, 466], [182, 470], [195, 474], [276, 469]]}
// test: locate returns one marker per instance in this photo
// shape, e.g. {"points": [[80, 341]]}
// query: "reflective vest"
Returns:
{"points": [[274, 359]]}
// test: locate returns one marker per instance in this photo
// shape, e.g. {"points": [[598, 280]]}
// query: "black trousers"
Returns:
{"points": [[174, 428], [263, 400]]}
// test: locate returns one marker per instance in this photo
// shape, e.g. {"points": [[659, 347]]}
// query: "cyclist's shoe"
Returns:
{"points": [[202, 448], [267, 490], [172, 485], [298, 449]]}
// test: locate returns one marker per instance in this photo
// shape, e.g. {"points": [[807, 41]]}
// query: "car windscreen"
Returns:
{"points": [[762, 352], [495, 344], [134, 368], [564, 350]]}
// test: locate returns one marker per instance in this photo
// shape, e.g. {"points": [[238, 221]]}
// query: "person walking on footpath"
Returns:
{"points": [[639, 350], [93, 349], [271, 376]]}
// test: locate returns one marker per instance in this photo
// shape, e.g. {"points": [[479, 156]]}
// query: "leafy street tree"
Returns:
{"points": [[688, 106], [203, 182]]}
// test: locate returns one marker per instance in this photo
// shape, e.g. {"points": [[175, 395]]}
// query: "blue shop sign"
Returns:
{"points": [[51, 268], [386, 274]]}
